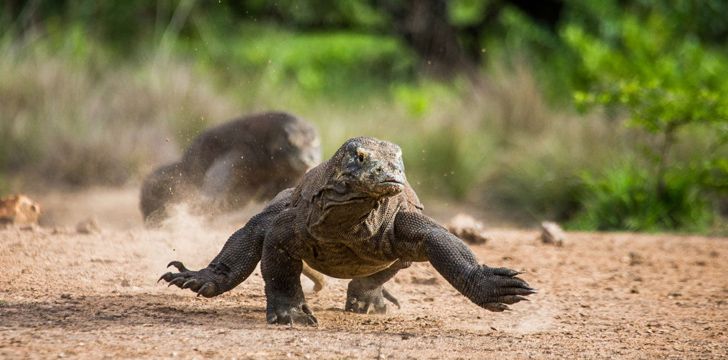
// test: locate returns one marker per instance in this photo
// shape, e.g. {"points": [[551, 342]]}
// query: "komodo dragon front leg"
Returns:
{"points": [[237, 259], [235, 262], [419, 238], [281, 268]]}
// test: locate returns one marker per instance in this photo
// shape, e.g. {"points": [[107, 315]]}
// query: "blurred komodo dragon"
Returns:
{"points": [[225, 167], [249, 158], [355, 217]]}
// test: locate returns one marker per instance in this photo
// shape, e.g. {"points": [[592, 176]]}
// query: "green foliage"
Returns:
{"points": [[646, 74], [467, 12], [420, 98], [629, 198], [329, 62], [665, 81]]}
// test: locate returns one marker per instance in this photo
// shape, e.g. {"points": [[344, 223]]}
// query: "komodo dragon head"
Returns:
{"points": [[369, 166]]}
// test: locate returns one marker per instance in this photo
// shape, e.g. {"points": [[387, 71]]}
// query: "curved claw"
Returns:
{"points": [[180, 267], [511, 299], [506, 272], [188, 283], [203, 291], [164, 277], [177, 281], [495, 307]]}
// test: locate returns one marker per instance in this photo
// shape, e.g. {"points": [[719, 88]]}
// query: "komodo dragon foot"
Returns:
{"points": [[206, 282], [287, 313], [368, 301], [496, 288]]}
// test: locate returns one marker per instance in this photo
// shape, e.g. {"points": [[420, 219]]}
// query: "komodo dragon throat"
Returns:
{"points": [[355, 217]]}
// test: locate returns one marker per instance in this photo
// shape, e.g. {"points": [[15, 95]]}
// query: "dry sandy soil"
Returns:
{"points": [[65, 294]]}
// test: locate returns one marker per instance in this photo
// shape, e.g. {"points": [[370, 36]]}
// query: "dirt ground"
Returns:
{"points": [[607, 295]]}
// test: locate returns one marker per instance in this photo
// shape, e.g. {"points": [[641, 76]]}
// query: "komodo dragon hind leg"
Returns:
{"points": [[366, 295], [319, 280]]}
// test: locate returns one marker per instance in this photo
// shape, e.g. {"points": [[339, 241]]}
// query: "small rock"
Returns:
{"points": [[467, 228], [551, 233], [88, 226], [125, 283]]}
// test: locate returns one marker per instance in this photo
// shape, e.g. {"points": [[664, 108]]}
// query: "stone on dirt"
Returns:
{"points": [[467, 228], [19, 209], [552, 234]]}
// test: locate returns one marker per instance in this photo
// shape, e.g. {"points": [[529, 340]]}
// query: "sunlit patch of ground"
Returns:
{"points": [[600, 296]]}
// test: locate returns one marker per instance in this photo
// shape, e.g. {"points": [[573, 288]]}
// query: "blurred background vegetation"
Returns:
{"points": [[603, 115]]}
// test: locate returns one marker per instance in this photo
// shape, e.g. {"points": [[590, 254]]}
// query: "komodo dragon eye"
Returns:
{"points": [[361, 155]]}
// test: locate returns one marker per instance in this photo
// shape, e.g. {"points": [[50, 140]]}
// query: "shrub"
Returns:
{"points": [[668, 84], [627, 198]]}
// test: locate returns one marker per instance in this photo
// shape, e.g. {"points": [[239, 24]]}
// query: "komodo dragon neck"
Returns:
{"points": [[347, 213]]}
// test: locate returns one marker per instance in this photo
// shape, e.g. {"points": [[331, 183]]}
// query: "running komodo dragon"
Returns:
{"points": [[355, 217], [249, 158]]}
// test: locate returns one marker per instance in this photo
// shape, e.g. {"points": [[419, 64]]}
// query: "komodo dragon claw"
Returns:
{"points": [[204, 282]]}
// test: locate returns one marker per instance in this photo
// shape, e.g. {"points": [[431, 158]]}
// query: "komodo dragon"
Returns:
{"points": [[355, 217], [225, 167]]}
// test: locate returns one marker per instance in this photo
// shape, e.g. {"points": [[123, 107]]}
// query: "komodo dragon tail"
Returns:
{"points": [[319, 280]]}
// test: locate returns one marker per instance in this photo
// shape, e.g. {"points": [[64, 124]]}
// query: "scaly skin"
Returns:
{"points": [[356, 217]]}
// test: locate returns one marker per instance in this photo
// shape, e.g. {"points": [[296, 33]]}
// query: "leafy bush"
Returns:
{"points": [[668, 84], [627, 198], [337, 64]]}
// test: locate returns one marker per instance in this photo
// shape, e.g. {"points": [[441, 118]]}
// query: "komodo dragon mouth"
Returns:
{"points": [[391, 186]]}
